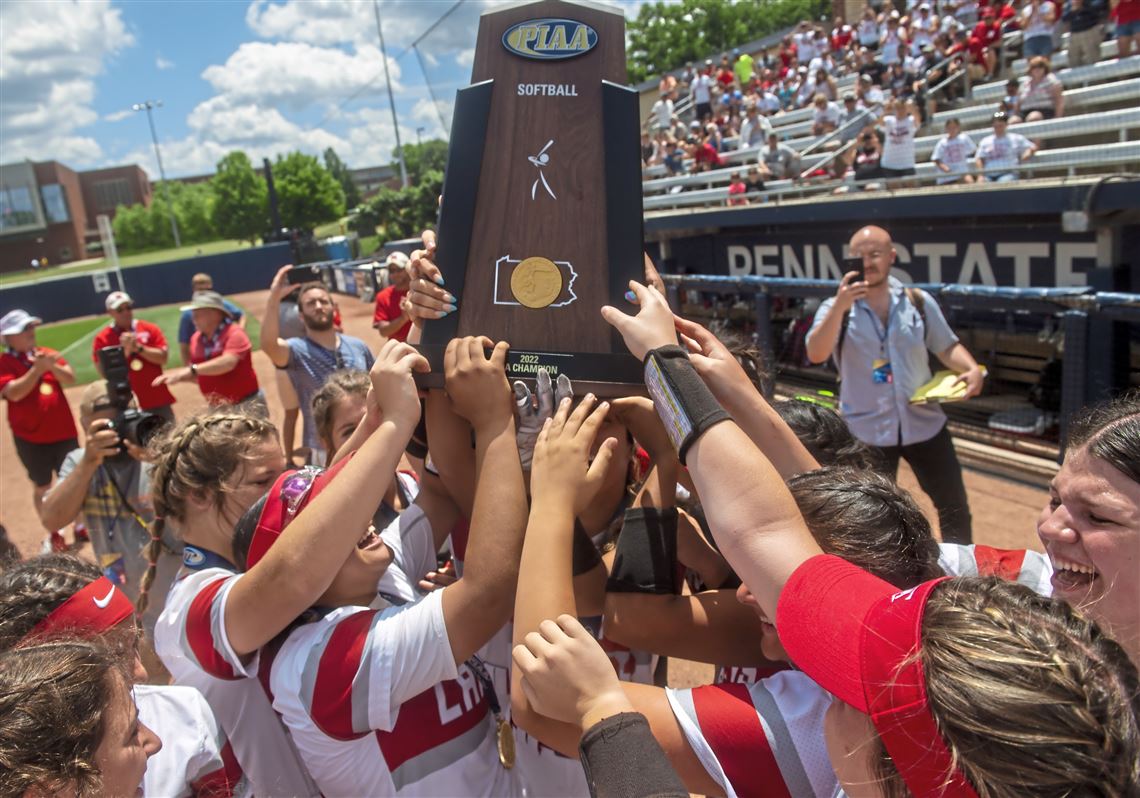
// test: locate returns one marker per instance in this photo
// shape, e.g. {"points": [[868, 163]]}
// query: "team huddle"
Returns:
{"points": [[469, 589]]}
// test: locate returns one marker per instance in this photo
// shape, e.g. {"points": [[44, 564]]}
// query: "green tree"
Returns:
{"points": [[666, 35], [241, 208], [402, 213], [193, 208], [306, 193], [421, 159], [339, 169]]}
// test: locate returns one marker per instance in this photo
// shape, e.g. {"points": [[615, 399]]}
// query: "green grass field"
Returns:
{"points": [[126, 261], [73, 338]]}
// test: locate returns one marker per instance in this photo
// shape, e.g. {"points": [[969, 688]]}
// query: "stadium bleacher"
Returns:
{"points": [[1094, 135]]}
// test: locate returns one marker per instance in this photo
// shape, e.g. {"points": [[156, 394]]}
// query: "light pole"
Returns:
{"points": [[147, 106], [419, 137], [391, 99]]}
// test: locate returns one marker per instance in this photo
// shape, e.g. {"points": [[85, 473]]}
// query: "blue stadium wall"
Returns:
{"points": [[1009, 237], [160, 284]]}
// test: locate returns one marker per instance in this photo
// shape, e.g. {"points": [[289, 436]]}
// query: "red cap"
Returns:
{"points": [[290, 493], [93, 609], [858, 637]]}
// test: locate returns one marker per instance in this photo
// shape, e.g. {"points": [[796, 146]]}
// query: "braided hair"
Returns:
{"points": [[200, 456], [32, 590]]}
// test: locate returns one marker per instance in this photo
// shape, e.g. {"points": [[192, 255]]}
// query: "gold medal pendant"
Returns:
{"points": [[506, 740], [47, 389], [136, 365]]}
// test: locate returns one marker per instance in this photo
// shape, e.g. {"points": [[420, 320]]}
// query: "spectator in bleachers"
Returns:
{"points": [[1038, 19], [988, 33], [966, 13], [865, 157], [767, 100], [725, 77], [1126, 13], [755, 128], [674, 159], [736, 190], [647, 149], [867, 30], [1009, 99], [781, 160], [867, 92], [952, 154], [851, 111], [804, 37], [973, 53], [825, 117], [713, 136], [742, 68], [701, 92], [924, 26], [841, 35], [899, 82], [1003, 150], [754, 182], [1040, 94], [901, 121], [892, 42], [824, 62], [870, 67], [805, 88], [661, 114], [1085, 32], [786, 53], [704, 155]]}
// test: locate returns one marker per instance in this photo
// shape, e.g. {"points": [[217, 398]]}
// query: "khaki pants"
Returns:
{"points": [[1084, 47]]}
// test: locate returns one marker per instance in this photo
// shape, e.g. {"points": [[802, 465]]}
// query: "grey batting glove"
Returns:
{"points": [[534, 408]]}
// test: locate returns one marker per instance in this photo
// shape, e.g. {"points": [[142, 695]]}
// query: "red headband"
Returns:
{"points": [[92, 610], [859, 637], [291, 493]]}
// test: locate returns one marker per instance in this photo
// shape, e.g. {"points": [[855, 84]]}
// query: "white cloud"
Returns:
{"points": [[298, 75], [118, 116], [465, 58], [162, 63], [50, 56]]}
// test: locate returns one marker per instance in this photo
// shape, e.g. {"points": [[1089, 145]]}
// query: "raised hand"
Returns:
{"points": [[427, 298], [650, 328], [477, 384], [280, 287], [851, 288], [715, 364], [393, 384], [567, 676], [562, 472], [102, 442], [534, 409]]}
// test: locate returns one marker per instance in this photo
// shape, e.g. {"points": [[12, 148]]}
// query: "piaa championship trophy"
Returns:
{"points": [[541, 222]]}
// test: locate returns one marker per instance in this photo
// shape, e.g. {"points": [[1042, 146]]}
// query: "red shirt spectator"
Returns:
{"points": [[1126, 12], [389, 318], [736, 191], [706, 156], [239, 383], [143, 371], [43, 416], [841, 37], [988, 31]]}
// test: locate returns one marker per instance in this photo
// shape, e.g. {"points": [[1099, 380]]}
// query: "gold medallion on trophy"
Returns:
{"points": [[536, 282]]}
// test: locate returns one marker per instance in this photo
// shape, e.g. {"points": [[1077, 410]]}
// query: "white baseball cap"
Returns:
{"points": [[397, 260], [117, 299], [16, 321]]}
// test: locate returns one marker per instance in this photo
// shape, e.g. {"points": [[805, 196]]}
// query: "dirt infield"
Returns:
{"points": [[1004, 511]]}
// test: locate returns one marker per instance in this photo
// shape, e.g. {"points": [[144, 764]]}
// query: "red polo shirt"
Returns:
{"points": [[142, 372], [388, 308], [43, 416], [235, 385]]}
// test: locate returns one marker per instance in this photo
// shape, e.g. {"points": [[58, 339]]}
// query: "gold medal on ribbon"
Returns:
{"points": [[536, 282], [506, 740], [136, 365], [47, 389]]}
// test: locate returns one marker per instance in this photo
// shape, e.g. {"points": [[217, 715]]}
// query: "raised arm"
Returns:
{"points": [[752, 515], [479, 604], [304, 560], [271, 343], [824, 335]]}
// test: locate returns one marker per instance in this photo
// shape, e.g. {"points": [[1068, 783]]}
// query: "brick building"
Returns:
{"points": [[48, 211]]}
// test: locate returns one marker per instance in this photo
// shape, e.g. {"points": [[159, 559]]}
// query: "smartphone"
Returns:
{"points": [[299, 275]]}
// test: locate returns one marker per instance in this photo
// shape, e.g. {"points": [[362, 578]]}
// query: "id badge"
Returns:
{"points": [[881, 372], [114, 568]]}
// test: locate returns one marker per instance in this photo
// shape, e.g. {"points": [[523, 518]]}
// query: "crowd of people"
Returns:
{"points": [[899, 55], [467, 591]]}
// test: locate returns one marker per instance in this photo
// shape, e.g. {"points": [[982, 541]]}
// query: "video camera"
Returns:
{"points": [[131, 424]]}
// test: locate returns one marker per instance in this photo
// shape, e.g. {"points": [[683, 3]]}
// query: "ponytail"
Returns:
{"points": [[152, 552]]}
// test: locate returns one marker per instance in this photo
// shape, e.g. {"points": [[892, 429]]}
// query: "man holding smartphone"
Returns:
{"points": [[879, 334], [308, 360]]}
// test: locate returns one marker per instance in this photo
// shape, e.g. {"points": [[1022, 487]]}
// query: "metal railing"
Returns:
{"points": [[1077, 307]]}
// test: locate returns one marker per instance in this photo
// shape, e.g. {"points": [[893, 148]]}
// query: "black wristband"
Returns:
{"points": [[586, 556], [622, 759], [646, 557], [684, 403]]}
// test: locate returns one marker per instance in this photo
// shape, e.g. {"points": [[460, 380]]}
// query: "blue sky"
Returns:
{"points": [[265, 76]]}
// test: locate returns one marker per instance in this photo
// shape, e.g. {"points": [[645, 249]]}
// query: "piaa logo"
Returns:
{"points": [[550, 39]]}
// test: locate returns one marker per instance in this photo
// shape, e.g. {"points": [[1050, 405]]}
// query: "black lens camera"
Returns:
{"points": [[131, 424]]}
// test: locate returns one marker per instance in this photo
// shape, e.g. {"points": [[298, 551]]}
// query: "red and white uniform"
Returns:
{"points": [[195, 758], [1025, 567], [190, 638], [764, 739]]}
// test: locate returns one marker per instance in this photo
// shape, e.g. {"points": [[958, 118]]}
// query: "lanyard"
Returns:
{"points": [[199, 559], [875, 326]]}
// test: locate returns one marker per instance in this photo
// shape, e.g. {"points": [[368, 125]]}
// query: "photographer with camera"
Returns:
{"points": [[144, 347], [107, 484]]}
